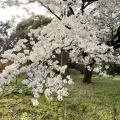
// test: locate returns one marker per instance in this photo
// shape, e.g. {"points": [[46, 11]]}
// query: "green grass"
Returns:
{"points": [[99, 100]]}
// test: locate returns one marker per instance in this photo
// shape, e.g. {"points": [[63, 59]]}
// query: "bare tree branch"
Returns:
{"points": [[49, 10]]}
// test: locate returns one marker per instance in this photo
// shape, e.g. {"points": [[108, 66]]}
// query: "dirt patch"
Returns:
{"points": [[73, 72], [3, 65]]}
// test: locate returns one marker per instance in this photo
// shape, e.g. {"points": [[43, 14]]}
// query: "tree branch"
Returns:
{"points": [[49, 10], [115, 44], [85, 5]]}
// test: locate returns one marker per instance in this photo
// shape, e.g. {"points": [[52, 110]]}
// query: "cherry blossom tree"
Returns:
{"points": [[59, 9], [79, 35], [110, 17]]}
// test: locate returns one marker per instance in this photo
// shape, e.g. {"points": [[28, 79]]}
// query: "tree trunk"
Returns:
{"points": [[87, 76], [64, 61]]}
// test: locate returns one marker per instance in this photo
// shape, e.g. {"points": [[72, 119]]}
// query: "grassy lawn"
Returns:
{"points": [[99, 100]]}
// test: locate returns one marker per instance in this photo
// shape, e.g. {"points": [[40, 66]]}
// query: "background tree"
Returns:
{"points": [[4, 28], [110, 17], [21, 31], [4, 34]]}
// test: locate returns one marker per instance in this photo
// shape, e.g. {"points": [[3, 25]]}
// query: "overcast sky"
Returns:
{"points": [[7, 13]]}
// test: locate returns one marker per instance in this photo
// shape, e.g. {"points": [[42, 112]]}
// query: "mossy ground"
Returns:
{"points": [[99, 100]]}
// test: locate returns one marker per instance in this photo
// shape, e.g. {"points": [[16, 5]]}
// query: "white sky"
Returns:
{"points": [[7, 13]]}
